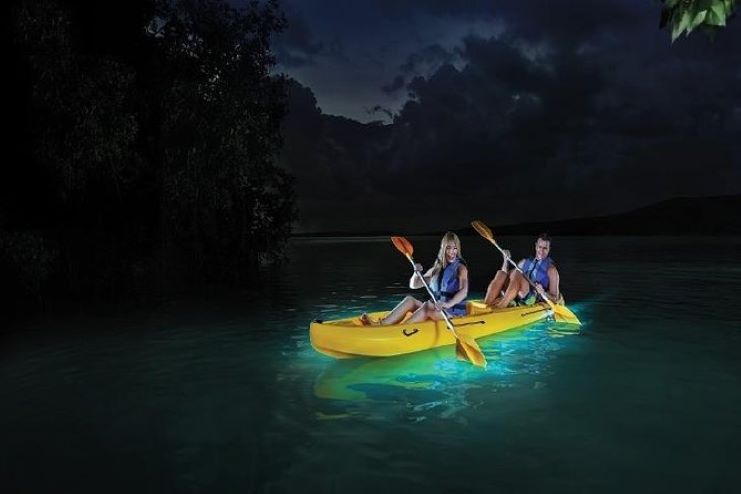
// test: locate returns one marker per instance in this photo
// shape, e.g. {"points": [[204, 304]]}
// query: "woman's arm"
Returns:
{"points": [[415, 281]]}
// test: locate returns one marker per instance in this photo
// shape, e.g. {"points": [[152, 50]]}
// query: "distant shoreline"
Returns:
{"points": [[681, 216]]}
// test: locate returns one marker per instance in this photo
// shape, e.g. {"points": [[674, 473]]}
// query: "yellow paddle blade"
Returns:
{"points": [[563, 314], [403, 245], [483, 230], [467, 346], [460, 353]]}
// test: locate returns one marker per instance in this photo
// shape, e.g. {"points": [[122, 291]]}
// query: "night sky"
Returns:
{"points": [[505, 111]]}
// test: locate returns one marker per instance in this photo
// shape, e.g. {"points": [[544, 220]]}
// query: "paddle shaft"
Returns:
{"points": [[513, 263], [432, 295]]}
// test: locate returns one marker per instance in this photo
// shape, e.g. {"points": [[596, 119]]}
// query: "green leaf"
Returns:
{"points": [[721, 12], [682, 25], [715, 19], [699, 18]]}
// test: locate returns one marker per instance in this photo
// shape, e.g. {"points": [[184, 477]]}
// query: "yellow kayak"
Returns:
{"points": [[347, 338]]}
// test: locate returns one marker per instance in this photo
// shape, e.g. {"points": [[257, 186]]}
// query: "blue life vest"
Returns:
{"points": [[537, 271], [446, 286]]}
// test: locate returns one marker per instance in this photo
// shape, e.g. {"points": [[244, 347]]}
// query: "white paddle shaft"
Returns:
{"points": [[434, 300]]}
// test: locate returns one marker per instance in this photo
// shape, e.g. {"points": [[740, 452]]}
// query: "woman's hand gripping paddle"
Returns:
{"points": [[465, 347], [560, 312]]}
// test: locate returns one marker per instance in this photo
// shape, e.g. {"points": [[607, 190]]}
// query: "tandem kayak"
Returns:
{"points": [[348, 338]]}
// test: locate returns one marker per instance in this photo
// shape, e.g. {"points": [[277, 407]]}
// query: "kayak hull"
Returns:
{"points": [[348, 338]]}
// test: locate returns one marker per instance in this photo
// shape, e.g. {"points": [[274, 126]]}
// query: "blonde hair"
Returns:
{"points": [[442, 262]]}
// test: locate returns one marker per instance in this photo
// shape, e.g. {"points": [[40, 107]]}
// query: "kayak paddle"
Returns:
{"points": [[560, 312], [466, 347]]}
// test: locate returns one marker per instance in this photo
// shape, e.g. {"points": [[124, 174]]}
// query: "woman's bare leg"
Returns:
{"points": [[408, 304], [424, 312], [494, 290]]}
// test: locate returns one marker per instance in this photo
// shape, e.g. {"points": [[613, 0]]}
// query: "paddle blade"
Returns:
{"points": [[467, 347], [460, 353], [403, 245], [483, 230], [563, 314]]}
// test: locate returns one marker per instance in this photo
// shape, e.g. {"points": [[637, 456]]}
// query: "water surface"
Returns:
{"points": [[223, 393]]}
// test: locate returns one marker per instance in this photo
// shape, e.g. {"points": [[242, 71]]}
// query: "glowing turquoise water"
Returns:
{"points": [[225, 394]]}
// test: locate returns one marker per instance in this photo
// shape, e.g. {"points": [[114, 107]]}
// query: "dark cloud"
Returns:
{"points": [[330, 156], [337, 50], [558, 117], [436, 7], [571, 22], [379, 109], [394, 86], [576, 21], [299, 36], [296, 46], [432, 55]]}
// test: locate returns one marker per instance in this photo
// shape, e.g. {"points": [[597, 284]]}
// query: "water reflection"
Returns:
{"points": [[434, 383]]}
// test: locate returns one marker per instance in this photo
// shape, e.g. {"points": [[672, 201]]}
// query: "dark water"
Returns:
{"points": [[225, 393]]}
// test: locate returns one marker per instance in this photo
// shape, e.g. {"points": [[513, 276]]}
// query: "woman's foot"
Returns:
{"points": [[365, 320]]}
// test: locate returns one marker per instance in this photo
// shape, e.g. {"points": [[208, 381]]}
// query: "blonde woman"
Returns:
{"points": [[448, 279]]}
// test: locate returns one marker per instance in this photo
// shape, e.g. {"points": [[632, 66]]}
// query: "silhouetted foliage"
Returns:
{"points": [[684, 16], [218, 129], [143, 148]]}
